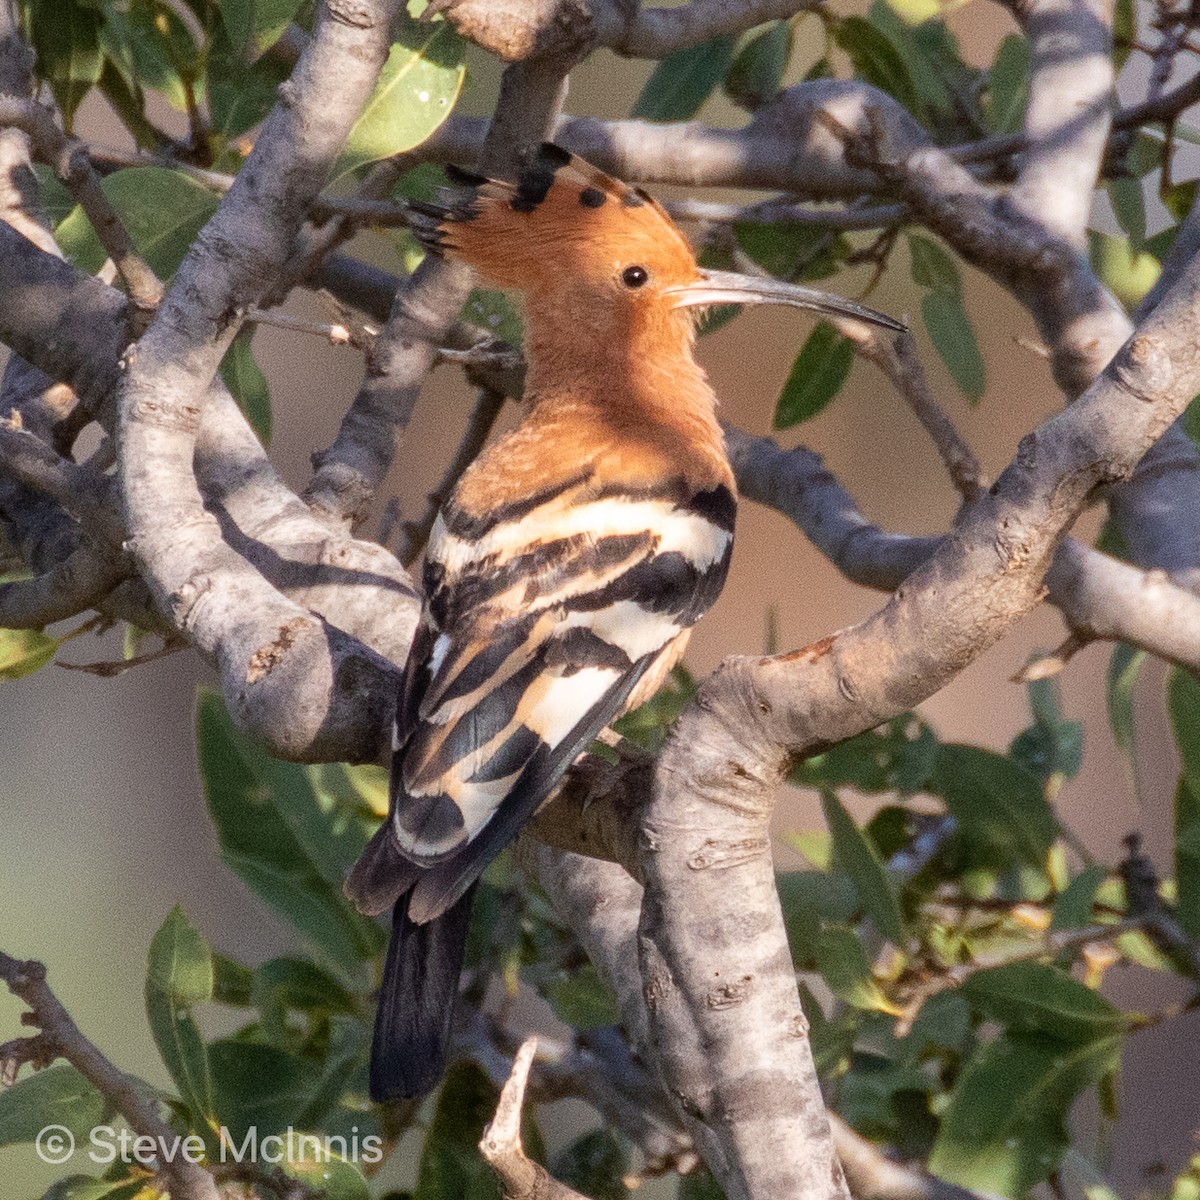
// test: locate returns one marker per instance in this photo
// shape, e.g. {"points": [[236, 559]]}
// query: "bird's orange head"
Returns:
{"points": [[602, 266], [565, 234]]}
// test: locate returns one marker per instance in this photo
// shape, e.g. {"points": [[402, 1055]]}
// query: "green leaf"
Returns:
{"points": [[451, 1164], [66, 36], [594, 1165], [1127, 272], [1003, 1130], [1052, 748], [417, 89], [233, 983], [1073, 907], [255, 25], [496, 313], [1124, 31], [23, 651], [842, 962], [286, 984], [180, 976], [275, 835], [932, 267], [797, 252], [810, 899], [85, 1187], [580, 998], [816, 376], [878, 61], [1183, 702], [1008, 85], [1129, 206], [699, 1184], [1031, 997], [1123, 670], [682, 81], [996, 802], [1191, 420], [247, 384], [151, 47], [259, 1087], [856, 855], [163, 211], [240, 96], [1187, 858], [757, 70], [56, 1095], [953, 338], [349, 1045], [330, 1178]]}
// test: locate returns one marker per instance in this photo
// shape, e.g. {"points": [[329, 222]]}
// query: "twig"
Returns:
{"points": [[69, 159], [109, 670], [897, 358], [520, 1177], [60, 1037], [479, 425], [335, 335]]}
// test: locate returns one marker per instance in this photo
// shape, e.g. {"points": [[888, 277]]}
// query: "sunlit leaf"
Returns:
{"points": [[1128, 273], [843, 964], [23, 651], [417, 89]]}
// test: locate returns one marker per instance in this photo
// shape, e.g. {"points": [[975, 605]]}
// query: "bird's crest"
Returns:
{"points": [[561, 216]]}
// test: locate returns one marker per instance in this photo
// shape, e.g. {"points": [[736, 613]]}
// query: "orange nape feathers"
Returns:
{"points": [[564, 227]]}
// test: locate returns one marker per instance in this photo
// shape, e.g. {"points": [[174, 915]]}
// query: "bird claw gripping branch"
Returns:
{"points": [[566, 571]]}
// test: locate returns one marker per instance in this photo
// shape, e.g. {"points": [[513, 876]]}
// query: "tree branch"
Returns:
{"points": [[1068, 112], [70, 161], [520, 1177], [60, 1037]]}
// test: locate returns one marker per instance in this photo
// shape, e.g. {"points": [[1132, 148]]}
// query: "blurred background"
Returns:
{"points": [[104, 827]]}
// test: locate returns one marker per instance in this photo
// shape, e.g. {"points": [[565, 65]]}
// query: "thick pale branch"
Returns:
{"points": [[656, 32], [71, 326], [1067, 114]]}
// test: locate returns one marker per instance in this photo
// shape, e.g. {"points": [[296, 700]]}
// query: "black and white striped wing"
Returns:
{"points": [[535, 632]]}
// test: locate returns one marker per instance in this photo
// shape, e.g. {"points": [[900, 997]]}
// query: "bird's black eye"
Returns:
{"points": [[634, 277]]}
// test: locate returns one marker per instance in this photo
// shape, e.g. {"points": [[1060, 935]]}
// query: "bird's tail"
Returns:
{"points": [[416, 1000]]}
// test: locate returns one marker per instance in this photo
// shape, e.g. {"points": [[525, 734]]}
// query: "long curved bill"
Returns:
{"points": [[728, 287]]}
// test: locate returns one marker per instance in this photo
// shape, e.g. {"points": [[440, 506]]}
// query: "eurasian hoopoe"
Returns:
{"points": [[565, 573]]}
